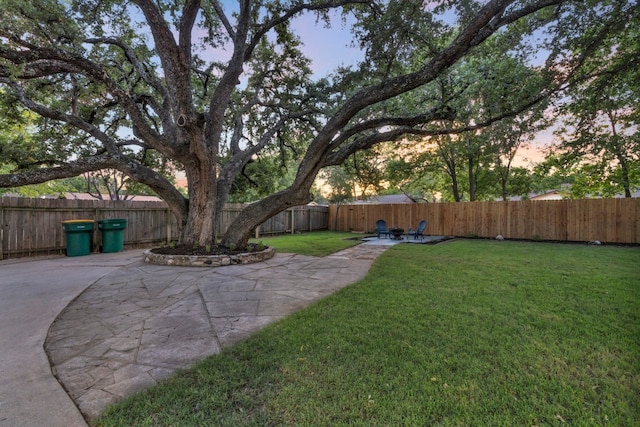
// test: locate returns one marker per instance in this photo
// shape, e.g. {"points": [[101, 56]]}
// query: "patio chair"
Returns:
{"points": [[381, 228], [419, 231]]}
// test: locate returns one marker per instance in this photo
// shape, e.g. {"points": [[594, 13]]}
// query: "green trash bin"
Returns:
{"points": [[78, 233], [112, 234]]}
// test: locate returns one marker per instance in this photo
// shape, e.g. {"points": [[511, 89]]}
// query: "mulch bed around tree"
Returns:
{"points": [[205, 250]]}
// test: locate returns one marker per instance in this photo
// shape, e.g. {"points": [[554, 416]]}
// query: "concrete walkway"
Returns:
{"points": [[127, 324], [32, 294]]}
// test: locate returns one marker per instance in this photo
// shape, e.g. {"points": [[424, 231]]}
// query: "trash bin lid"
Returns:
{"points": [[78, 225], [113, 224]]}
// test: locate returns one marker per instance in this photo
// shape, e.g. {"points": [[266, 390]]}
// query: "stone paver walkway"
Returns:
{"points": [[142, 322]]}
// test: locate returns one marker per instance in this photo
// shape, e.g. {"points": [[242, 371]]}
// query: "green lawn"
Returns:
{"points": [[318, 243], [465, 333]]}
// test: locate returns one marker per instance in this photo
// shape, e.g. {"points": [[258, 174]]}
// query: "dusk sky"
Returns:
{"points": [[331, 47], [328, 47]]}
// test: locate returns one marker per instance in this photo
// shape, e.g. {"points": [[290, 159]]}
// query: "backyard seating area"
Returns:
{"points": [[398, 233]]}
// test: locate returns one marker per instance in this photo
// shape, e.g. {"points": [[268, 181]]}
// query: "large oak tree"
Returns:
{"points": [[212, 87], [600, 139]]}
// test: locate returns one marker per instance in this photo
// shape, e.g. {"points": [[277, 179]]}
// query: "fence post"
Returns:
{"points": [[168, 226], [293, 220], [1, 233]]}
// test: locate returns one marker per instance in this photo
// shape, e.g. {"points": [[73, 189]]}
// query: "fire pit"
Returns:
{"points": [[396, 233]]}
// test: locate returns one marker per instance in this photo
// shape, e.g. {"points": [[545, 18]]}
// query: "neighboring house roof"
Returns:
{"points": [[391, 199], [633, 194], [560, 194], [549, 195], [86, 196]]}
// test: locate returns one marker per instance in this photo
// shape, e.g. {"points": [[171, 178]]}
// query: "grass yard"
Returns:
{"points": [[318, 243], [465, 333]]}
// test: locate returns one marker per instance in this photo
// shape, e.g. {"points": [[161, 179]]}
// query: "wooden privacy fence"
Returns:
{"points": [[31, 227], [606, 220], [296, 219]]}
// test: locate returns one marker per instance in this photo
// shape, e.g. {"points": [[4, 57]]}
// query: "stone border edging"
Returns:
{"points": [[208, 260]]}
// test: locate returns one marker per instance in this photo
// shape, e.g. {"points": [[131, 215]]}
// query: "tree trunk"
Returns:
{"points": [[448, 156], [454, 188], [239, 232], [201, 220], [503, 178], [472, 179], [624, 168], [503, 184], [470, 169]]}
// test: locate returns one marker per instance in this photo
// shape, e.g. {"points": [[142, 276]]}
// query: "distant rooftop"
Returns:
{"points": [[561, 194], [86, 196], [391, 199]]}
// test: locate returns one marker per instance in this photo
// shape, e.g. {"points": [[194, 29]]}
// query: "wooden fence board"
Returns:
{"points": [[606, 220], [630, 214], [34, 226]]}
